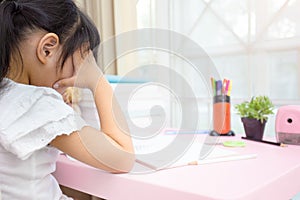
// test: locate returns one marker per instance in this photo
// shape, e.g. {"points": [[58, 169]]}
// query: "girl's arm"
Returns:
{"points": [[111, 148]]}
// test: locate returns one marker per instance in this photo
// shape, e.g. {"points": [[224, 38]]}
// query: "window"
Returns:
{"points": [[252, 42]]}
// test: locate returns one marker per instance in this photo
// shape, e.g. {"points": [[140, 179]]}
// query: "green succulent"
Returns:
{"points": [[258, 108]]}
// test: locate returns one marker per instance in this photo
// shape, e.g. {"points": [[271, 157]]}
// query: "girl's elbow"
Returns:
{"points": [[125, 164]]}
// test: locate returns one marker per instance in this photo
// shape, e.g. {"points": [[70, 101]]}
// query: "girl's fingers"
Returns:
{"points": [[68, 82]]}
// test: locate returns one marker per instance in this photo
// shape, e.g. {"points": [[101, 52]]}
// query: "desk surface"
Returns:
{"points": [[274, 174]]}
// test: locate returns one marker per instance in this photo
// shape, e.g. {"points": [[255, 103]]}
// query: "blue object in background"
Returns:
{"points": [[297, 197], [120, 79], [174, 131]]}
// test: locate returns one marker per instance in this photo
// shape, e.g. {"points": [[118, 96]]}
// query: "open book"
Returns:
{"points": [[160, 155]]}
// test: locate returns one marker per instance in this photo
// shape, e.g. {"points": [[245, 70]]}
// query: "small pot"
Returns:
{"points": [[254, 129]]}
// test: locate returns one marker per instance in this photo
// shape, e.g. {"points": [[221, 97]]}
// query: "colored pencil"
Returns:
{"points": [[266, 142], [220, 87]]}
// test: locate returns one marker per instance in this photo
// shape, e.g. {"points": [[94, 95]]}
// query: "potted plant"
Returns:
{"points": [[254, 115]]}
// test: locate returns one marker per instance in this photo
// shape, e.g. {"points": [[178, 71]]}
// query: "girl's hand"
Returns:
{"points": [[86, 72]]}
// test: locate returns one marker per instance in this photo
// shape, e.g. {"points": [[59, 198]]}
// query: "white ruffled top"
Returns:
{"points": [[31, 117]]}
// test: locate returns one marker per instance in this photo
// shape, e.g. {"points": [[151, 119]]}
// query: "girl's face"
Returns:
{"points": [[54, 72], [57, 73]]}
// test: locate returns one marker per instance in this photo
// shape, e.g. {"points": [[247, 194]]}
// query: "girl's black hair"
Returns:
{"points": [[61, 17]]}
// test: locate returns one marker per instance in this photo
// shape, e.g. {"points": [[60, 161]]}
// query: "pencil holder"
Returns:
{"points": [[221, 116]]}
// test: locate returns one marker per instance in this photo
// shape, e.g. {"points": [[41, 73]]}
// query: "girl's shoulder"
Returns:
{"points": [[18, 99], [31, 117], [16, 91]]}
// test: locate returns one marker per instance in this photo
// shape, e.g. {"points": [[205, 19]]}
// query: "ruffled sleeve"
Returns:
{"points": [[32, 117]]}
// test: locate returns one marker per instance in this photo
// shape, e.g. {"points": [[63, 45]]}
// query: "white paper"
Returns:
{"points": [[213, 154]]}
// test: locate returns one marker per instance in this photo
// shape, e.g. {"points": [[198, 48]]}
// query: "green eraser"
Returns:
{"points": [[234, 143]]}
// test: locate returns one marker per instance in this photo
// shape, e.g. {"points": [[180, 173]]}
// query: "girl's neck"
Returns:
{"points": [[19, 78]]}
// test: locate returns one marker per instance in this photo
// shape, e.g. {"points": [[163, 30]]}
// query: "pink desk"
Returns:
{"points": [[274, 174]]}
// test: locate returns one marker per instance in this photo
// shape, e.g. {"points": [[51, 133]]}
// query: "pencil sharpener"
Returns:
{"points": [[287, 124]]}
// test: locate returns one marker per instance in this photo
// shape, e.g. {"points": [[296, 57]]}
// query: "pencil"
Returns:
{"points": [[267, 142], [186, 131], [223, 159], [213, 85]]}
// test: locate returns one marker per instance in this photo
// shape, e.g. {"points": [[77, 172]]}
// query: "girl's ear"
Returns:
{"points": [[47, 46]]}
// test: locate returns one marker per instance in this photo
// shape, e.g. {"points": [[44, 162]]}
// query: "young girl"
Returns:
{"points": [[45, 46]]}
